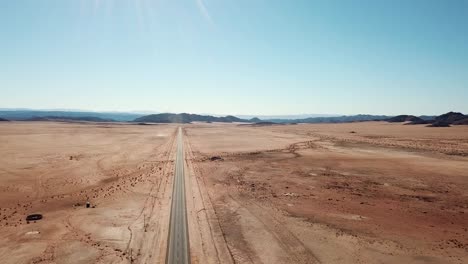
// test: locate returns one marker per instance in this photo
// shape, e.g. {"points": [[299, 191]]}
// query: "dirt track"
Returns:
{"points": [[387, 193]]}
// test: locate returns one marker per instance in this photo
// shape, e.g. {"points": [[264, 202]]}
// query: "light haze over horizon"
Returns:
{"points": [[243, 57]]}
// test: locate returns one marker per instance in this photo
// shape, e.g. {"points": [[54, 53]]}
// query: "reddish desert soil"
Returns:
{"points": [[368, 192], [125, 171], [387, 193]]}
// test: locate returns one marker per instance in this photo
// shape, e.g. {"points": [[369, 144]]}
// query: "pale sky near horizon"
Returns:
{"points": [[257, 57]]}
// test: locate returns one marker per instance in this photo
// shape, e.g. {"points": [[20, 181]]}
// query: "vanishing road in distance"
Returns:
{"points": [[178, 243]]}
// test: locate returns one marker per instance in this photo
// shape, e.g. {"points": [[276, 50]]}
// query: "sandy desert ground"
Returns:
{"points": [[368, 192], [125, 171]]}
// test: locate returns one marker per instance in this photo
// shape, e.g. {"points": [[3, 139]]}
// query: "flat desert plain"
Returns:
{"points": [[371, 192], [124, 171]]}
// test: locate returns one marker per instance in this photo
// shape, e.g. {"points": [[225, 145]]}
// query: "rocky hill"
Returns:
{"points": [[439, 124], [445, 120], [404, 118], [461, 122], [451, 117]]}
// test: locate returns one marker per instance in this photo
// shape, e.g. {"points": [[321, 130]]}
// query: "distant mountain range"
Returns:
{"points": [[332, 119], [69, 118], [451, 118], [284, 117], [408, 118], [187, 118], [27, 114]]}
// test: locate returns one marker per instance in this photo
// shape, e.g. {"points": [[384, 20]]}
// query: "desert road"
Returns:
{"points": [[233, 193], [178, 241]]}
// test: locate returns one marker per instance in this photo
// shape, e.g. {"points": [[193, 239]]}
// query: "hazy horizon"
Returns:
{"points": [[256, 58], [243, 116]]}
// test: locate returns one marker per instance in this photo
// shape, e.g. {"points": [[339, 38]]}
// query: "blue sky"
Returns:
{"points": [[266, 57]]}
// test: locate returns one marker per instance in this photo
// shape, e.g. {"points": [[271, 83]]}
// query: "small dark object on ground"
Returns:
{"points": [[34, 217], [88, 205], [214, 158], [353, 132]]}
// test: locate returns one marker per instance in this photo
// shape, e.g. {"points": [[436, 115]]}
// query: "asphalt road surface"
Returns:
{"points": [[178, 249]]}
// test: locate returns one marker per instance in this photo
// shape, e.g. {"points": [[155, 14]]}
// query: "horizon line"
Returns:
{"points": [[148, 112]]}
